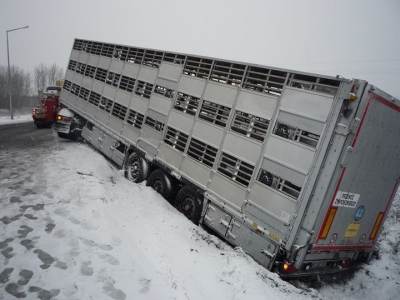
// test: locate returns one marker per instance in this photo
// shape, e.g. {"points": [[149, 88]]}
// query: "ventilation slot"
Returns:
{"points": [[187, 103], [119, 111], [152, 58], [113, 79], [77, 45], [307, 82], [84, 93], [176, 139], [105, 104], [235, 169], [94, 48], [101, 74], [198, 67], [80, 68], [169, 93], [279, 184], [296, 134], [135, 119], [155, 124], [214, 113], [72, 65], [250, 125], [94, 98], [67, 85], [75, 89], [264, 80], [202, 152], [143, 89], [135, 55], [107, 50], [90, 71], [121, 53], [228, 73], [174, 58], [127, 83]]}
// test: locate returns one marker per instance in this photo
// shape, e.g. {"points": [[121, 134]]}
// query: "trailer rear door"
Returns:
{"points": [[367, 183]]}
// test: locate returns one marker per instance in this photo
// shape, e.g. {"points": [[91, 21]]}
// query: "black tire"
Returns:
{"points": [[136, 168], [38, 124], [68, 136], [63, 135], [189, 203], [161, 183]]}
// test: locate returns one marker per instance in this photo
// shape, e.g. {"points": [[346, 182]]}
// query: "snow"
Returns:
{"points": [[161, 255], [5, 118], [112, 239]]}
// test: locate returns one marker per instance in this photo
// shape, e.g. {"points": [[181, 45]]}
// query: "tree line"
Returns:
{"points": [[26, 85]]}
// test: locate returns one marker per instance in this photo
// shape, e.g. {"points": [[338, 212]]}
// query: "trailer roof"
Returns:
{"points": [[335, 80], [337, 77]]}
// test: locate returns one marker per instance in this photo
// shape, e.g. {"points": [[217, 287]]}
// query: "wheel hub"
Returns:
{"points": [[134, 169], [158, 186], [188, 206]]}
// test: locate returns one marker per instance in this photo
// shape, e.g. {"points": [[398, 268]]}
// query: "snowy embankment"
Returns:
{"points": [[117, 240], [157, 254]]}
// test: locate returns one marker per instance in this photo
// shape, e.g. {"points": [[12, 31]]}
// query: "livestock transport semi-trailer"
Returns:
{"points": [[297, 169]]}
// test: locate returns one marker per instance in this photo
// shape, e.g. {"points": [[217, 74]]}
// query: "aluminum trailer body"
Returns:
{"points": [[298, 169]]}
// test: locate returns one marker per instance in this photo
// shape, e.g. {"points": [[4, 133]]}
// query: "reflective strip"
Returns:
{"points": [[377, 226], [328, 223]]}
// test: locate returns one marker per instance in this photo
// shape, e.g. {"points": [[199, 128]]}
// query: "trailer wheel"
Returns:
{"points": [[68, 136], [136, 168], [161, 183], [38, 124], [189, 203]]}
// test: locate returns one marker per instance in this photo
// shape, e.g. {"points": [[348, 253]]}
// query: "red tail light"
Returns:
{"points": [[287, 267]]}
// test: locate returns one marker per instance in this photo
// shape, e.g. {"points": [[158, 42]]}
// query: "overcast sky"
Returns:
{"points": [[353, 38]]}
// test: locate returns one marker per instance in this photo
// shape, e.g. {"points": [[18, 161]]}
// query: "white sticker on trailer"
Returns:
{"points": [[346, 199]]}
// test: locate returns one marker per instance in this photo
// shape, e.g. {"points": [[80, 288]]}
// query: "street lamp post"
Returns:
{"points": [[9, 73]]}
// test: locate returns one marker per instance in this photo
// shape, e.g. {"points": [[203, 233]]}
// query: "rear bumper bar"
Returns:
{"points": [[63, 127]]}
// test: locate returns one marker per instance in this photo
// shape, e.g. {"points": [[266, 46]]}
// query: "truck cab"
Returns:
{"points": [[44, 115]]}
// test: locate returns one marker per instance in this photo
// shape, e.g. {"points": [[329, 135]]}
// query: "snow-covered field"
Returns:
{"points": [[18, 118], [80, 230]]}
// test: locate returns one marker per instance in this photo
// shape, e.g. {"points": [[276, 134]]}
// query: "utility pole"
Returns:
{"points": [[9, 71]]}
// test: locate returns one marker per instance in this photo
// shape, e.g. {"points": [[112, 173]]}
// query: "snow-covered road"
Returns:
{"points": [[72, 227]]}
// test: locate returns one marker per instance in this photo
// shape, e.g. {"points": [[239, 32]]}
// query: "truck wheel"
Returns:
{"points": [[161, 183], [189, 203], [136, 168], [68, 136]]}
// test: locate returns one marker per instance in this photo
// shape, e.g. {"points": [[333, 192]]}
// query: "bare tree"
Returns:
{"points": [[40, 74], [20, 84], [54, 73], [46, 75]]}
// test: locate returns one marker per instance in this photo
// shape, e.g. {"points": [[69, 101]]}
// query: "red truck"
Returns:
{"points": [[44, 115]]}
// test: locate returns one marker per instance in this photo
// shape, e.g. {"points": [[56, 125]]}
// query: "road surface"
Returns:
{"points": [[22, 150]]}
